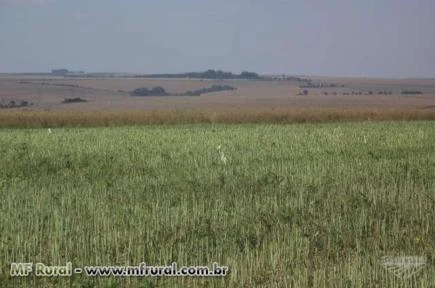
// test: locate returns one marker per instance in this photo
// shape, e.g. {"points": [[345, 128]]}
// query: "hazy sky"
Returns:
{"points": [[389, 38]]}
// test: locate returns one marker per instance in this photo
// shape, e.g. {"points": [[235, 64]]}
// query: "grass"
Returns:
{"points": [[38, 119], [294, 205]]}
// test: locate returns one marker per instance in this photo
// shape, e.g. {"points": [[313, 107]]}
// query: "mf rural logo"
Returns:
{"points": [[404, 267]]}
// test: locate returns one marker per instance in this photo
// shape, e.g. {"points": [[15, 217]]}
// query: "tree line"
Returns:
{"points": [[209, 74], [160, 91]]}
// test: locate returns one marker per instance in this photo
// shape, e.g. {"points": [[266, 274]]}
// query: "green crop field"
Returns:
{"points": [[312, 205]]}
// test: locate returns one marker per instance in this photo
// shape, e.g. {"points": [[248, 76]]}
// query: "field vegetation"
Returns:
{"points": [[312, 205], [47, 119]]}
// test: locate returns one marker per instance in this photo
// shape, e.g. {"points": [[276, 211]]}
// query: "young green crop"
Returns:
{"points": [[281, 205]]}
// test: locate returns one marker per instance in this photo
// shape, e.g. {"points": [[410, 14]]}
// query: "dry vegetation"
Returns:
{"points": [[28, 119]]}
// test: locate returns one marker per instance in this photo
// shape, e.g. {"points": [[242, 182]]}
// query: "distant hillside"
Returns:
{"points": [[209, 74]]}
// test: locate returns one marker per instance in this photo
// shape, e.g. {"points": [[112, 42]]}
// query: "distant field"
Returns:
{"points": [[290, 206], [111, 94]]}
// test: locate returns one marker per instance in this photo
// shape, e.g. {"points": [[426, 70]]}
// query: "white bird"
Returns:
{"points": [[223, 158], [49, 131]]}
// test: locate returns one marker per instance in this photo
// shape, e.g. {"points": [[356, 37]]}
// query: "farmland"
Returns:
{"points": [[112, 94], [287, 186], [208, 144], [307, 205]]}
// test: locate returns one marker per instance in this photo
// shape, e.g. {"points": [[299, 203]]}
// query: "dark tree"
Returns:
{"points": [[156, 91]]}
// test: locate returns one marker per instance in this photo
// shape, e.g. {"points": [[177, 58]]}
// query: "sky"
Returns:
{"points": [[366, 38]]}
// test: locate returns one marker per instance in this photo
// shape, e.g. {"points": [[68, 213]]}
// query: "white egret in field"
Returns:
{"points": [[223, 157]]}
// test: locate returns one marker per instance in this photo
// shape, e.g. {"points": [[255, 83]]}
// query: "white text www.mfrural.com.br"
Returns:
{"points": [[142, 270]]}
